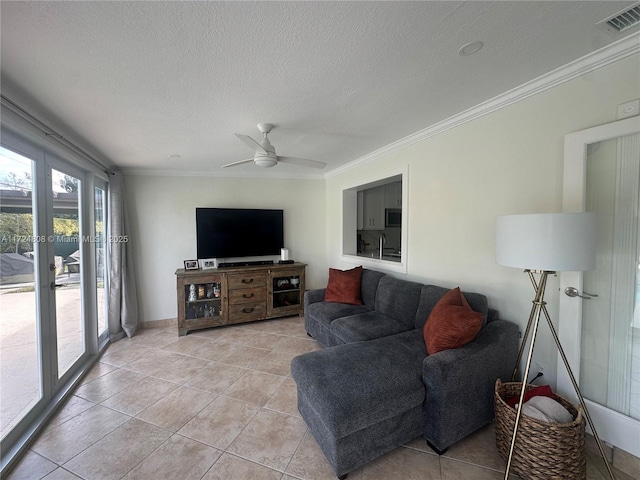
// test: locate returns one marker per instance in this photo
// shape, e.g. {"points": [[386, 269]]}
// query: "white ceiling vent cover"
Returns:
{"points": [[625, 19]]}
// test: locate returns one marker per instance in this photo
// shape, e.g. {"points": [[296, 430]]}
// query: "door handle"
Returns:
{"points": [[574, 292], [54, 285]]}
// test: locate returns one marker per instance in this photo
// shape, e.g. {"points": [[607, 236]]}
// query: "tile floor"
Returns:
{"points": [[219, 404]]}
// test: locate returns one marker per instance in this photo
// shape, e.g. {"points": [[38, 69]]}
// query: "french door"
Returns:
{"points": [[52, 283], [600, 329], [64, 282]]}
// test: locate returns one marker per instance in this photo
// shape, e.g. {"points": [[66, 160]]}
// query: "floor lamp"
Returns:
{"points": [[544, 244]]}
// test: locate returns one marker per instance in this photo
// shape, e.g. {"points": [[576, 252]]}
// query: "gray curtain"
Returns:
{"points": [[123, 298]]}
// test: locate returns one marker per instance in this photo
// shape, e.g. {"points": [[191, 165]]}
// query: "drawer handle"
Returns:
{"points": [[244, 295], [248, 309], [244, 280]]}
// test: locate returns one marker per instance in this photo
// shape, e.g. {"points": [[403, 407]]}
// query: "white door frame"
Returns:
{"points": [[53, 162], [53, 389], [613, 427]]}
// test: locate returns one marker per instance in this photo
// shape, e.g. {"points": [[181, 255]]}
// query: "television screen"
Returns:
{"points": [[238, 232]]}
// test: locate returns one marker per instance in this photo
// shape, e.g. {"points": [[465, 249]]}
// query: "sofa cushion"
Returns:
{"points": [[366, 326], [430, 296], [369, 286], [398, 299], [344, 286], [326, 312], [451, 324], [388, 381]]}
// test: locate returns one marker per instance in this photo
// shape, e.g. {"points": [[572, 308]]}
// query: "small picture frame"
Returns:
{"points": [[191, 265], [208, 263]]}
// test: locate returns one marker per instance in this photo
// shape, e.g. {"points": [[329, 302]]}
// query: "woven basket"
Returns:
{"points": [[543, 450]]}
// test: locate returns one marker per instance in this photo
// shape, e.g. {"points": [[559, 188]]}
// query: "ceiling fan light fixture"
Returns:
{"points": [[265, 162], [265, 154]]}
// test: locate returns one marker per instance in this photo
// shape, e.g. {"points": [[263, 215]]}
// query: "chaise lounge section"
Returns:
{"points": [[374, 387]]}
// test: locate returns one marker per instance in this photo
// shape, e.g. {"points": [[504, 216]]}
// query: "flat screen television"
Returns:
{"points": [[238, 232]]}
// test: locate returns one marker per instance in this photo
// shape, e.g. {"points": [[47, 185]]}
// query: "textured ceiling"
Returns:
{"points": [[139, 82]]}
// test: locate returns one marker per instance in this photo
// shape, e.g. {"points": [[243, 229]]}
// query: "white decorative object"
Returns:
{"points": [[284, 254], [192, 293]]}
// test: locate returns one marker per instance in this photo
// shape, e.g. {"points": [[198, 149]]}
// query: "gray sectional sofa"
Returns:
{"points": [[374, 387]]}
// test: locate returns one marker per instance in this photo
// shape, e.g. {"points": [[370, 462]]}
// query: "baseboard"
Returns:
{"points": [[166, 323], [619, 459]]}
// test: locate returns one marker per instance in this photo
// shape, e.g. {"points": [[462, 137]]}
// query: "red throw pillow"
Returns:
{"points": [[451, 324], [344, 286], [542, 390]]}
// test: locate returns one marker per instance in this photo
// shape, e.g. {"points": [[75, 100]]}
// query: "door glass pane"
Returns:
{"points": [[610, 342], [66, 228], [20, 387], [100, 206]]}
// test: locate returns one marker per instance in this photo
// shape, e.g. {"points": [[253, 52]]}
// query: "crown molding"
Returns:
{"points": [[187, 173], [613, 52]]}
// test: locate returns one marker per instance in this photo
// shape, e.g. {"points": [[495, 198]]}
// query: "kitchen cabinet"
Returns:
{"points": [[373, 204], [393, 195]]}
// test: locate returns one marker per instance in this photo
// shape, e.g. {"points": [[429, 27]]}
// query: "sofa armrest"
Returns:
{"points": [[313, 296], [460, 383]]}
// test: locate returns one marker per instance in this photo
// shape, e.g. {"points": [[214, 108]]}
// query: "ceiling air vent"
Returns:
{"points": [[624, 19]]}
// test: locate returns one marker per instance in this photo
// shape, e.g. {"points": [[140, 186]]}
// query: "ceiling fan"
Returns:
{"points": [[265, 153]]}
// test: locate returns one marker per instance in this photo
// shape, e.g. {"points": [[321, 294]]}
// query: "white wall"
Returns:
{"points": [[506, 162], [163, 228]]}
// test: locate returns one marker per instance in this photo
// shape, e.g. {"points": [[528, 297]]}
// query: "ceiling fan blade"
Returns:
{"points": [[303, 162], [250, 142], [239, 162]]}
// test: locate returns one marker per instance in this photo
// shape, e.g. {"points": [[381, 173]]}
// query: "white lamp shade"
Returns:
{"points": [[548, 241]]}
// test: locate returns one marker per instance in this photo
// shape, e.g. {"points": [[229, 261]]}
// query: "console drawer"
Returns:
{"points": [[247, 312], [247, 295], [246, 280]]}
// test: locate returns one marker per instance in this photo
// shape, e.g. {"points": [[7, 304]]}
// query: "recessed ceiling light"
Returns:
{"points": [[175, 155], [470, 48]]}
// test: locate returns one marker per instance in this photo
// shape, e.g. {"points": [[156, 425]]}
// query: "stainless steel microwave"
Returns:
{"points": [[393, 217]]}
